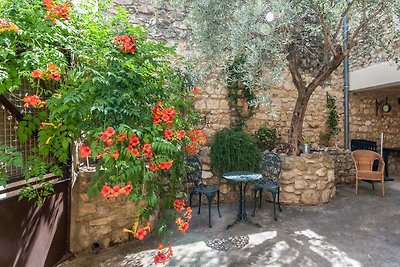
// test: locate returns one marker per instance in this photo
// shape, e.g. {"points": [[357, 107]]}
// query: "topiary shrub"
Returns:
{"points": [[234, 150], [266, 137]]}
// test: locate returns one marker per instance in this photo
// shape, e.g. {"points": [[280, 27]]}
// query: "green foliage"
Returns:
{"points": [[100, 87], [9, 157], [266, 137], [305, 37], [238, 89], [234, 150], [224, 29], [332, 119], [38, 188]]}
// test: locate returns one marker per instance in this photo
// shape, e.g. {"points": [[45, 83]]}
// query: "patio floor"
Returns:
{"points": [[351, 230]]}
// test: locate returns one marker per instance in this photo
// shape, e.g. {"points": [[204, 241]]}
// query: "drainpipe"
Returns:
{"points": [[346, 85]]}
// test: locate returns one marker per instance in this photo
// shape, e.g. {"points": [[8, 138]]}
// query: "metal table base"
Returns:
{"points": [[242, 215]]}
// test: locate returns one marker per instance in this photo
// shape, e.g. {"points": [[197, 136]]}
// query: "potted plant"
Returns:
{"points": [[305, 145]]}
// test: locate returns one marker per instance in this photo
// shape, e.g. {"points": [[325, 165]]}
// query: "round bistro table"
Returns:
{"points": [[242, 178]]}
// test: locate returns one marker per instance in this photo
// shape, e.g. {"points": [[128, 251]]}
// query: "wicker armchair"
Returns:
{"points": [[364, 161]]}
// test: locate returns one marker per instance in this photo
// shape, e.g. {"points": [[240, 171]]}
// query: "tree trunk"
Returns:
{"points": [[296, 125]]}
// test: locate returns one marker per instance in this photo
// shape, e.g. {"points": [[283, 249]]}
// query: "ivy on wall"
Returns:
{"points": [[332, 119], [239, 87]]}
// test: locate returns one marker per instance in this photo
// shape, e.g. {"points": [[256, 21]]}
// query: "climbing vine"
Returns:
{"points": [[332, 119], [240, 86]]}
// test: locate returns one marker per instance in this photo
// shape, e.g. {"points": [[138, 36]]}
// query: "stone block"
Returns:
{"points": [[102, 221], [289, 198], [321, 172], [101, 230], [326, 196], [206, 167], [224, 188], [84, 197], [212, 104], [206, 174], [300, 164], [300, 184], [288, 188], [200, 104], [322, 184], [86, 209], [310, 197], [331, 175]]}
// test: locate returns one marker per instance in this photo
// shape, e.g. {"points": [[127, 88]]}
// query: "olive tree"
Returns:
{"points": [[302, 37]]}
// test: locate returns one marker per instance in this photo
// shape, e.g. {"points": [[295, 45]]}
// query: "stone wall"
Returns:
{"points": [[98, 219], [343, 166], [283, 98], [367, 121], [308, 179], [167, 24]]}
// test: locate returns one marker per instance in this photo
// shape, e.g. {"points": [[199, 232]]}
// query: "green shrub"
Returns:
{"points": [[234, 150], [266, 138]]}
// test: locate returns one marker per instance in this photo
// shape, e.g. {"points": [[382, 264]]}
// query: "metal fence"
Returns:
{"points": [[30, 235], [11, 111]]}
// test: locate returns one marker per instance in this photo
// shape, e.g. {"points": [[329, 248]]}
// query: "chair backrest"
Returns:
{"points": [[194, 170], [364, 160], [362, 144], [270, 166]]}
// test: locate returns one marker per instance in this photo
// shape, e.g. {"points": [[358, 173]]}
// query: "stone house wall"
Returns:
{"points": [[98, 219], [367, 121], [165, 23]]}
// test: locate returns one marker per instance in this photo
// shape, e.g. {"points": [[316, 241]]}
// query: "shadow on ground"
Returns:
{"points": [[351, 230]]}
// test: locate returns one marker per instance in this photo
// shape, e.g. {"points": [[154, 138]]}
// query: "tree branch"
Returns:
{"points": [[327, 38], [364, 23], [340, 24], [294, 69], [325, 71]]}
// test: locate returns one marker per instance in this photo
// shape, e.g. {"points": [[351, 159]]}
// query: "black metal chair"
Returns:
{"points": [[270, 167], [194, 176], [362, 144]]}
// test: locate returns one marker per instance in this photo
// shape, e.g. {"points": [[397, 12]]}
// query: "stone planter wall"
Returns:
{"points": [[344, 166], [308, 179], [99, 219]]}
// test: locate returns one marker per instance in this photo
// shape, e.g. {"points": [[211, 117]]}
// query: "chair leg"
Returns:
{"points": [[199, 203], [356, 185], [190, 199], [273, 198], [279, 203], [254, 202], [209, 198], [218, 204], [383, 188], [373, 186], [259, 206]]}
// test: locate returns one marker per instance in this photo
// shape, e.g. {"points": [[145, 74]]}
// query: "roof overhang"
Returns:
{"points": [[374, 77]]}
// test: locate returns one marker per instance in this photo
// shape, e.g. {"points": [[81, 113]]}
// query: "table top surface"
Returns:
{"points": [[242, 176]]}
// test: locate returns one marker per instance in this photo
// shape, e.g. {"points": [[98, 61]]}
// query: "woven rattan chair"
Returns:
{"points": [[194, 177], [364, 161]]}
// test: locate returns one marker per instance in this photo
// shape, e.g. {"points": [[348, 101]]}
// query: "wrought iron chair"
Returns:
{"points": [[270, 166], [364, 165], [194, 176]]}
